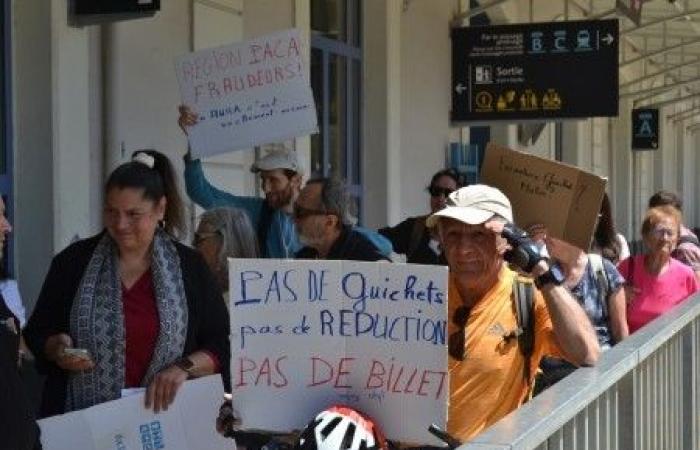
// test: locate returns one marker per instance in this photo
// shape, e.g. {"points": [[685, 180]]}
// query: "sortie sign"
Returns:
{"points": [[535, 71]]}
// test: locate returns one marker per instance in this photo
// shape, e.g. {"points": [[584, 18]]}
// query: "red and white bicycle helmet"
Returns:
{"points": [[341, 428]]}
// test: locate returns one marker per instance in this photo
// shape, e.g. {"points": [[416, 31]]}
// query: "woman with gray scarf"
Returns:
{"points": [[130, 307]]}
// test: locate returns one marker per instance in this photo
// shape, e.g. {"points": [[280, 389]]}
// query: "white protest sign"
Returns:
{"points": [[125, 424], [306, 335], [247, 94]]}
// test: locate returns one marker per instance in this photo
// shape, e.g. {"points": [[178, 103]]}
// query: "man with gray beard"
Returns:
{"points": [[322, 220]]}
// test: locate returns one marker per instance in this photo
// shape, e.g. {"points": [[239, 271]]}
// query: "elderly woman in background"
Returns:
{"points": [[597, 286], [655, 281], [130, 307], [225, 233]]}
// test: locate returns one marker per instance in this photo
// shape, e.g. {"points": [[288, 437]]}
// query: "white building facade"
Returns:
{"points": [[80, 99]]}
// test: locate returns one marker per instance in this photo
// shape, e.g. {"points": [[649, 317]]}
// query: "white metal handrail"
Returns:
{"points": [[643, 394]]}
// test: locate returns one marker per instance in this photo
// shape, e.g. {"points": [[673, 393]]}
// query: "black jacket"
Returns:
{"points": [[402, 237], [350, 245], [207, 328], [18, 430]]}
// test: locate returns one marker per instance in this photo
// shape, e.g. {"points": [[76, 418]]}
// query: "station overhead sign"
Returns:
{"points": [[645, 129], [537, 71]]}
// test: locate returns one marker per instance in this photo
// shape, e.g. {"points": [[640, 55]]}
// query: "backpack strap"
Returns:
{"points": [[264, 228], [416, 235], [601, 278], [524, 298]]}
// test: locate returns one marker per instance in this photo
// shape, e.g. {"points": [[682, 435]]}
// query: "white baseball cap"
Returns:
{"points": [[474, 205], [278, 157]]}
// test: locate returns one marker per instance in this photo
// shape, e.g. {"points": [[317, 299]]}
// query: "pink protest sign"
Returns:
{"points": [[306, 335], [247, 94]]}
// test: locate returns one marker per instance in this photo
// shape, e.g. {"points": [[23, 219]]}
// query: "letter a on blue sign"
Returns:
{"points": [[645, 129]]}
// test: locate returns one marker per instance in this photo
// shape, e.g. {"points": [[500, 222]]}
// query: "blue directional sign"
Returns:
{"points": [[539, 71], [645, 129]]}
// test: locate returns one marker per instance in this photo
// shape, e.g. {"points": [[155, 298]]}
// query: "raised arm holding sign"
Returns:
{"points": [[564, 198]]}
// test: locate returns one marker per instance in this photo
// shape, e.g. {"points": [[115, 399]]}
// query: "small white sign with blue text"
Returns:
{"points": [[125, 424], [246, 94]]}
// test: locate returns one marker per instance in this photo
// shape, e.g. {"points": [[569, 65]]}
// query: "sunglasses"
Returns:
{"points": [[456, 342], [436, 191], [661, 233], [300, 212]]}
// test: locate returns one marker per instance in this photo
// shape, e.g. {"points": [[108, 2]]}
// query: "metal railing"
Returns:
{"points": [[643, 394]]}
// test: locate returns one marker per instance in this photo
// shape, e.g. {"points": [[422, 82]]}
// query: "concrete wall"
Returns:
{"points": [[33, 136], [74, 88], [425, 99], [381, 109], [141, 92]]}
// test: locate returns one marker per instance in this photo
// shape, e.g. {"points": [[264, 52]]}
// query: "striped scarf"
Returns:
{"points": [[97, 321]]}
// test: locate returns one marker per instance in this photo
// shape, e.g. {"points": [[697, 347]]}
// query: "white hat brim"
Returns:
{"points": [[466, 214]]}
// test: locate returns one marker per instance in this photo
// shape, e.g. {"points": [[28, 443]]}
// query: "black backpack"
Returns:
{"points": [[523, 299]]}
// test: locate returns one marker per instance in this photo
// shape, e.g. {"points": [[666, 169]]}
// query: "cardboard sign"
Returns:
{"points": [[564, 198], [125, 424], [306, 335], [247, 94]]}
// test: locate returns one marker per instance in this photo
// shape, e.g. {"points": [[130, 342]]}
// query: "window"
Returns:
{"points": [[336, 72]]}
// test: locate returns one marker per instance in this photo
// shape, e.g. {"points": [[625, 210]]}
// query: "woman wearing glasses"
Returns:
{"points": [[130, 307], [411, 237], [225, 233], [655, 281]]}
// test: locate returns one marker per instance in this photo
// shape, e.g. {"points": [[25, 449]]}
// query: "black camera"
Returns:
{"points": [[524, 253]]}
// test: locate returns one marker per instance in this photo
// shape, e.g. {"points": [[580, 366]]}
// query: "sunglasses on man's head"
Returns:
{"points": [[436, 191], [456, 344]]}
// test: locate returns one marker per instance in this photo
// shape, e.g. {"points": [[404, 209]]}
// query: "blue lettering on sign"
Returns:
{"points": [[560, 41], [152, 436], [248, 330], [645, 129], [273, 289], [119, 442], [157, 435], [316, 285], [349, 323], [278, 288], [355, 287], [248, 276], [146, 442], [536, 45], [583, 41]]}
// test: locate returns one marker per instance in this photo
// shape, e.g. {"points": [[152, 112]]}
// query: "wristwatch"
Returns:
{"points": [[185, 364], [553, 276]]}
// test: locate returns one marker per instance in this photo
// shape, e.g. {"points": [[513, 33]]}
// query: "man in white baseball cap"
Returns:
{"points": [[491, 349], [272, 217], [280, 175]]}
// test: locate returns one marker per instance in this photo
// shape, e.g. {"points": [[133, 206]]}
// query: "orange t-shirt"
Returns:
{"points": [[490, 382]]}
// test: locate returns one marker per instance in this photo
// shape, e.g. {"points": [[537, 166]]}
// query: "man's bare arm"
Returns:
{"points": [[572, 327]]}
